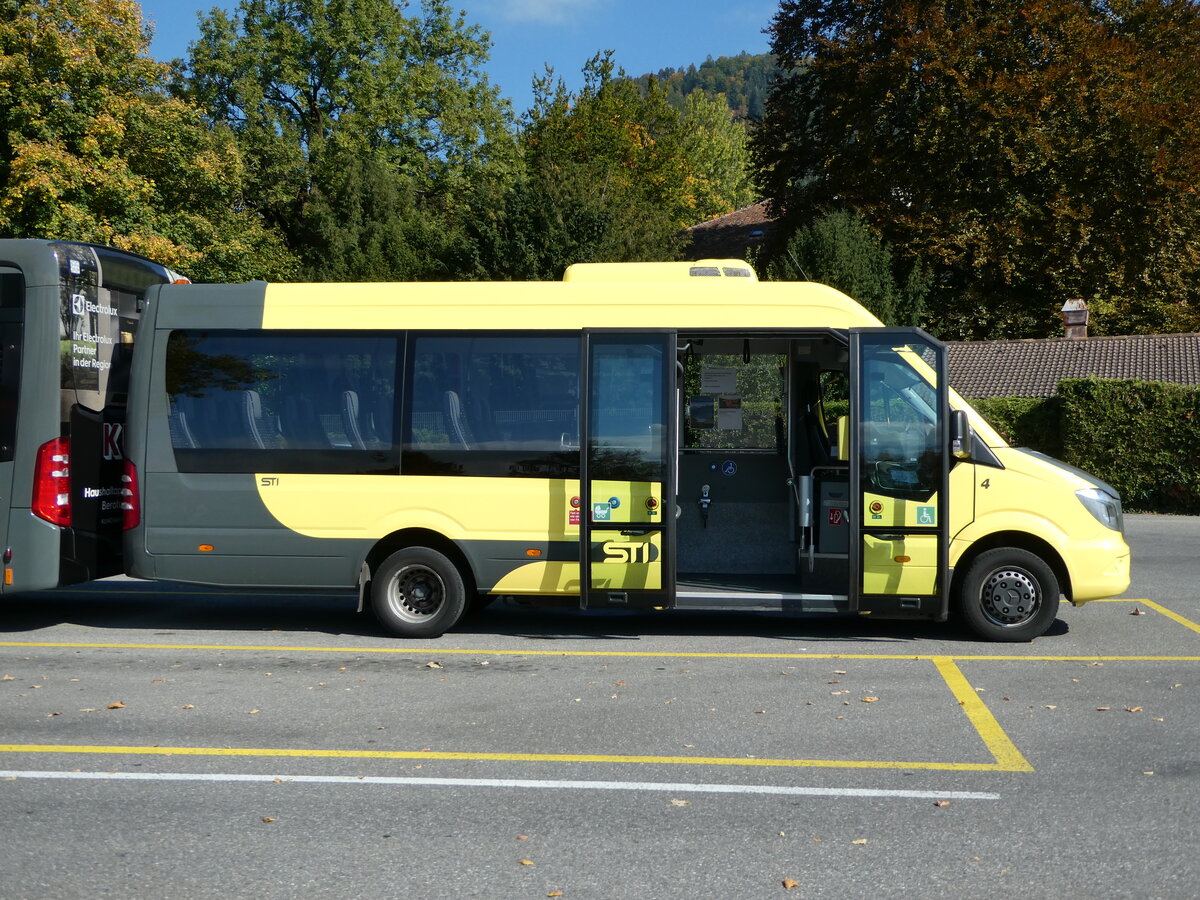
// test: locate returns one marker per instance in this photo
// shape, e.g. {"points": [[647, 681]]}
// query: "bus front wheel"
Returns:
{"points": [[418, 593], [1008, 594]]}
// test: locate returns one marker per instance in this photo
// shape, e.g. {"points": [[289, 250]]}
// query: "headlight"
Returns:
{"points": [[1104, 506]]}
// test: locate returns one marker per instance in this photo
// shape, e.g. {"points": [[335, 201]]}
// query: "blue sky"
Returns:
{"points": [[647, 35]]}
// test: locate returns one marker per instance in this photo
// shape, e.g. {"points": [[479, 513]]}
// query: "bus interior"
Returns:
{"points": [[762, 494]]}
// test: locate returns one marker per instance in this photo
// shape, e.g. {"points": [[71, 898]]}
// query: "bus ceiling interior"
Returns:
{"points": [[762, 494]]}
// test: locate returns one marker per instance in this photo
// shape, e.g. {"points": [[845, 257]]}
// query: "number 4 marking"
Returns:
{"points": [[987, 483]]}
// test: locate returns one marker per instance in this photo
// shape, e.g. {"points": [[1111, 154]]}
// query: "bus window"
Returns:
{"points": [[493, 406], [282, 402], [733, 404], [901, 455]]}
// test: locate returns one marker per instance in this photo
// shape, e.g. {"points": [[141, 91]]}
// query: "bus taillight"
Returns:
{"points": [[52, 482], [131, 505]]}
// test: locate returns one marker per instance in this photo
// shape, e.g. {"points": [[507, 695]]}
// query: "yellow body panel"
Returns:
{"points": [[696, 303], [1031, 496]]}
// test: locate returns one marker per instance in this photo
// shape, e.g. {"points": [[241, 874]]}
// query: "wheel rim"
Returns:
{"points": [[1010, 597], [416, 593]]}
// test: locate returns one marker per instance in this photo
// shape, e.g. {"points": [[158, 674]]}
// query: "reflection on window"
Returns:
{"points": [[900, 452], [496, 405], [281, 402], [628, 434]]}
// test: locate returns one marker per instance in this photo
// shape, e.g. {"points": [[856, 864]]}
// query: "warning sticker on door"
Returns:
{"points": [[837, 516]]}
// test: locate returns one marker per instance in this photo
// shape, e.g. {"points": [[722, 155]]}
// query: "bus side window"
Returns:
{"points": [[494, 405], [283, 401]]}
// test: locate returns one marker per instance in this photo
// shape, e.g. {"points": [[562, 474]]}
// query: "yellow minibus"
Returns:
{"points": [[675, 435]]}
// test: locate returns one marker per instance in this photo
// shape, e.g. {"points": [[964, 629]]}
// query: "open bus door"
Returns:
{"points": [[627, 470], [899, 473]]}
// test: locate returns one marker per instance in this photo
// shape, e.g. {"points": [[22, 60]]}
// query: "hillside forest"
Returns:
{"points": [[966, 165]]}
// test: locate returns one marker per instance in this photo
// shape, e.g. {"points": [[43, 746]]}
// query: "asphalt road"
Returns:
{"points": [[188, 743]]}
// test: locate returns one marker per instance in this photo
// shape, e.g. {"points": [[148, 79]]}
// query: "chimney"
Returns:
{"points": [[1075, 319]]}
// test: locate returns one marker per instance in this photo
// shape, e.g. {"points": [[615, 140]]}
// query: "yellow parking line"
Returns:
{"points": [[511, 757], [1174, 616], [1005, 754], [1008, 757]]}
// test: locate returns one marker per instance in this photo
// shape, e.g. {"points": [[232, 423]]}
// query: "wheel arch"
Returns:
{"points": [[420, 537], [1021, 540]]}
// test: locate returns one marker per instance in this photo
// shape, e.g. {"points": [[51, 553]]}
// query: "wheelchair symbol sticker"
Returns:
{"points": [[926, 515], [728, 468]]}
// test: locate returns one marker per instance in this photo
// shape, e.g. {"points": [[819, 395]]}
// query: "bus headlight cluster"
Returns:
{"points": [[1104, 506]]}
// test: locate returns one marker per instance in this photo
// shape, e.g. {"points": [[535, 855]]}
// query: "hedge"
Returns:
{"points": [[1142, 437]]}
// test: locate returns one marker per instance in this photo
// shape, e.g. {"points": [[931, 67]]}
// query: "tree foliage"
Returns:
{"points": [[91, 148], [1028, 152], [743, 80], [321, 93], [612, 173], [840, 250]]}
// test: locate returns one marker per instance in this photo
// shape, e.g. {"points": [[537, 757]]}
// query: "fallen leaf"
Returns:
{"points": [[119, 704], [859, 841], [1137, 612], [157, 681], [839, 671], [1049, 707], [1133, 709], [681, 802], [870, 699], [267, 820], [433, 665], [187, 706], [1103, 708], [789, 883], [759, 712], [522, 837], [554, 894], [52, 715], [251, 712], [9, 678], [526, 862], [941, 803]]}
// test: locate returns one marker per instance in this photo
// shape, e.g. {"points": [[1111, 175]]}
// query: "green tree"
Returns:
{"points": [[841, 250], [1027, 152], [715, 145], [323, 92], [92, 148], [612, 173]]}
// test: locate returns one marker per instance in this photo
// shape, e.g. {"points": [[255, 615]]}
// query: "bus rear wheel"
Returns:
{"points": [[418, 593], [1008, 594]]}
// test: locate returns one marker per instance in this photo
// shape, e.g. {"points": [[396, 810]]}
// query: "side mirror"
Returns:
{"points": [[962, 438]]}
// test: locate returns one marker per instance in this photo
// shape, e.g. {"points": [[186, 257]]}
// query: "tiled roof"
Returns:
{"points": [[729, 236], [1033, 368]]}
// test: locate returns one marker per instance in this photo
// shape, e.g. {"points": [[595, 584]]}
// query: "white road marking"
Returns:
{"points": [[535, 784]]}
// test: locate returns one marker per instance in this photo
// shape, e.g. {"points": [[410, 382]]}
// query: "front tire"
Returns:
{"points": [[418, 593], [1009, 595]]}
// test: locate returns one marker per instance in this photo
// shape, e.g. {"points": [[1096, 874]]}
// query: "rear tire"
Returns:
{"points": [[418, 593], [1009, 595]]}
